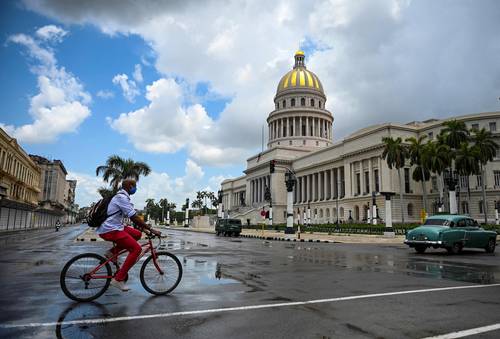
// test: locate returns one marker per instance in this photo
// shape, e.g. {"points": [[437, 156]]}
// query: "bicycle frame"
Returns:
{"points": [[146, 247]]}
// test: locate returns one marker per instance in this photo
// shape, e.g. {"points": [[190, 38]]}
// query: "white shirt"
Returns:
{"points": [[120, 203]]}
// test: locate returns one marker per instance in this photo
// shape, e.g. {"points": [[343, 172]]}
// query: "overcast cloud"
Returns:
{"points": [[379, 61]]}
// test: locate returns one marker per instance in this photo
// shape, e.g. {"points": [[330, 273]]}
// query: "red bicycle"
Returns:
{"points": [[87, 276]]}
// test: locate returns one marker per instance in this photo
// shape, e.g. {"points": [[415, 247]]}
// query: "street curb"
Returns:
{"points": [[288, 239]]}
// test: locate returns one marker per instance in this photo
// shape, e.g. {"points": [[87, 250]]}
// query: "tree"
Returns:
{"points": [[150, 208], [395, 154], [417, 152], [438, 158], [455, 133], [117, 169], [198, 203], [466, 162], [486, 149]]}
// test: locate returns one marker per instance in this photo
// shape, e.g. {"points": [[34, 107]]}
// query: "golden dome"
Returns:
{"points": [[299, 77]]}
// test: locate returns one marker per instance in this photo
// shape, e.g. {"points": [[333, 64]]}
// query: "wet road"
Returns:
{"points": [[249, 288]]}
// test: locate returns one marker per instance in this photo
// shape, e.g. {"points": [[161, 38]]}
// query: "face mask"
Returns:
{"points": [[132, 190]]}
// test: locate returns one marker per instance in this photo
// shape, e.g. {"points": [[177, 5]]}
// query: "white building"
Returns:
{"points": [[345, 173]]}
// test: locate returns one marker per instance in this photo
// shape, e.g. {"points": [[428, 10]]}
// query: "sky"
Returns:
{"points": [[186, 86]]}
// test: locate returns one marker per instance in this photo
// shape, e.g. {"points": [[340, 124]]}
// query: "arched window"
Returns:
{"points": [[410, 210], [321, 213], [284, 103], [292, 103], [327, 213], [277, 105], [320, 104], [341, 212], [312, 102], [302, 102]]}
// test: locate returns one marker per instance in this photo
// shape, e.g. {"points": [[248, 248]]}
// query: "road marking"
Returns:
{"points": [[465, 333], [241, 308]]}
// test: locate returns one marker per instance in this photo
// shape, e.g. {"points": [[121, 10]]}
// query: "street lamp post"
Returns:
{"points": [[186, 218], [290, 183], [337, 200], [451, 180]]}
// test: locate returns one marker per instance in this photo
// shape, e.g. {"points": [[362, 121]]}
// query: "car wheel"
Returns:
{"points": [[490, 248], [455, 249], [420, 249]]}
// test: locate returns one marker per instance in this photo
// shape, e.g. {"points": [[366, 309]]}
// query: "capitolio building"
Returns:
{"points": [[343, 179]]}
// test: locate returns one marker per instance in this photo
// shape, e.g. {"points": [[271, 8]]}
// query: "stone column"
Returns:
{"points": [[308, 190], [303, 189], [300, 127], [313, 191], [370, 176], [307, 126], [287, 127], [325, 185], [362, 177]]}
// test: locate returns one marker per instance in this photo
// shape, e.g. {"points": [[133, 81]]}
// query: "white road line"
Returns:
{"points": [[466, 333], [241, 308]]}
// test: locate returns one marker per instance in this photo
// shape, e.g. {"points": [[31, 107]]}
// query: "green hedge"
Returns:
{"points": [[352, 228]]}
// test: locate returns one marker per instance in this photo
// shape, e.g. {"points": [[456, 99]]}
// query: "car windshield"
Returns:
{"points": [[438, 222], [234, 221]]}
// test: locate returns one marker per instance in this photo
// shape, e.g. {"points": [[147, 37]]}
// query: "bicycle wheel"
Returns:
{"points": [[161, 283], [76, 282]]}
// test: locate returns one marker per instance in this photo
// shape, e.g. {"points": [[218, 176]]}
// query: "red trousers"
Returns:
{"points": [[126, 239]]}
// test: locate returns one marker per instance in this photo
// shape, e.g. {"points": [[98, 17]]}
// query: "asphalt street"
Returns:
{"points": [[251, 288]]}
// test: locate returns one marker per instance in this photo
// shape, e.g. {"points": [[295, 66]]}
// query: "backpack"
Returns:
{"points": [[99, 212]]}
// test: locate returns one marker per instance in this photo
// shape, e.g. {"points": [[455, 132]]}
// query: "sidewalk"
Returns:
{"points": [[307, 237]]}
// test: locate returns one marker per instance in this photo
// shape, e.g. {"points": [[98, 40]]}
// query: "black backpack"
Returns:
{"points": [[99, 212]]}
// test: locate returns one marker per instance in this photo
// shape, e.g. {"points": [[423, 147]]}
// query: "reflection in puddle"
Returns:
{"points": [[208, 272], [478, 274], [418, 267]]}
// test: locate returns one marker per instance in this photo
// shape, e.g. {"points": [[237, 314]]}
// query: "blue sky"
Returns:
{"points": [[187, 88]]}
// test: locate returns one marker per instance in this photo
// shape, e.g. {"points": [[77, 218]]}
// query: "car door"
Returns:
{"points": [[461, 231], [475, 235]]}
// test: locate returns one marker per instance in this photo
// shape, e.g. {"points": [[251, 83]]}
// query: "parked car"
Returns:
{"points": [[228, 227], [452, 232]]}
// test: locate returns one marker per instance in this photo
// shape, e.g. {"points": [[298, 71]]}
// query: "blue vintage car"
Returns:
{"points": [[452, 232]]}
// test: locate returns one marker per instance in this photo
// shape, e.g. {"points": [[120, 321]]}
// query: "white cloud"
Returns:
{"points": [[164, 126], [62, 104], [51, 32], [387, 60], [129, 87], [105, 94], [138, 73], [156, 185]]}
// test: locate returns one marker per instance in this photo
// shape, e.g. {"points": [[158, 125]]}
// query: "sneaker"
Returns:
{"points": [[120, 285], [110, 255]]}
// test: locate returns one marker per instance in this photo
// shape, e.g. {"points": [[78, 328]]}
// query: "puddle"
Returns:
{"points": [[479, 274], [208, 272]]}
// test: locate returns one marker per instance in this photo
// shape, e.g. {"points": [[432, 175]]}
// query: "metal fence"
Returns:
{"points": [[16, 219]]}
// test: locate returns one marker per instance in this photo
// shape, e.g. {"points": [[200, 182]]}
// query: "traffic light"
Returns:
{"points": [[267, 194], [271, 166], [187, 203]]}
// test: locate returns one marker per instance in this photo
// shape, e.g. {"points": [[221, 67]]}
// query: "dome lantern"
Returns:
{"points": [[299, 59]]}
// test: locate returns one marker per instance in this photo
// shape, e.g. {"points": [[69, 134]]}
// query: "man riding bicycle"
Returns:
{"points": [[124, 237]]}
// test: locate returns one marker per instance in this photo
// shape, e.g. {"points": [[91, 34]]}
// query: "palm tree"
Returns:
{"points": [[118, 169], [395, 153], [466, 162], [164, 206], [438, 159], [150, 207], [198, 203], [417, 152], [486, 149], [455, 133]]}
